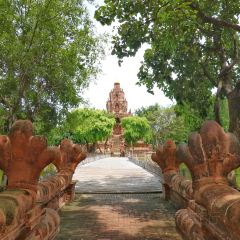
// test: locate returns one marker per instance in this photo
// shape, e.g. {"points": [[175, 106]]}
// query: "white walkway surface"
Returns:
{"points": [[115, 175]]}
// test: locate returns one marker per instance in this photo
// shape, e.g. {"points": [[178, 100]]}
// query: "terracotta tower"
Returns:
{"points": [[117, 104]]}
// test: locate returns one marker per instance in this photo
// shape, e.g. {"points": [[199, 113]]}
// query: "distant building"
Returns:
{"points": [[118, 105]]}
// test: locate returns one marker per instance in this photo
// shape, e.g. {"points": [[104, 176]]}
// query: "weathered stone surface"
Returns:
{"points": [[176, 188], [211, 205], [210, 156], [165, 157], [23, 156], [71, 155], [28, 208]]}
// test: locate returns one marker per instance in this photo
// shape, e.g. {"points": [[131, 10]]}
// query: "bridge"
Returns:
{"points": [[116, 199], [113, 198]]}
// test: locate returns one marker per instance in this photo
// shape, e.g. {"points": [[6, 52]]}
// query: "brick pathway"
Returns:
{"points": [[118, 217], [128, 204]]}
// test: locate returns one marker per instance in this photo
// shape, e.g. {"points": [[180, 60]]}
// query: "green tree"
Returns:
{"points": [[165, 123], [135, 129], [84, 126], [193, 48], [48, 55]]}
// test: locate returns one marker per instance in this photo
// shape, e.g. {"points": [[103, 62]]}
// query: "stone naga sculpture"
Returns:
{"points": [[215, 211], [177, 189], [23, 156], [165, 157], [71, 156], [210, 156], [28, 208]]}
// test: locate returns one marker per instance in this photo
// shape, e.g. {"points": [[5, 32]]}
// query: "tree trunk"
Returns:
{"points": [[234, 111], [105, 145], [217, 110], [99, 148], [87, 145]]}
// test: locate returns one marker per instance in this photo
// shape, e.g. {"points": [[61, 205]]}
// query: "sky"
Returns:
{"points": [[126, 74]]}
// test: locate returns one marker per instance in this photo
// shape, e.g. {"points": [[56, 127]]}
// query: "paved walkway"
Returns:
{"points": [[139, 213], [113, 175], [118, 217]]}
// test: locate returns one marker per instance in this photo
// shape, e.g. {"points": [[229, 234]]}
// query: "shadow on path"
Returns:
{"points": [[118, 217], [128, 206]]}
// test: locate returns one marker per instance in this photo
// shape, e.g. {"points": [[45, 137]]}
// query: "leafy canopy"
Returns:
{"points": [[192, 45], [84, 126], [165, 124], [135, 129], [49, 53]]}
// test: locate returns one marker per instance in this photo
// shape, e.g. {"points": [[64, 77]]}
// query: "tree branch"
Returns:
{"points": [[36, 25], [228, 67], [207, 74], [217, 103], [215, 21]]}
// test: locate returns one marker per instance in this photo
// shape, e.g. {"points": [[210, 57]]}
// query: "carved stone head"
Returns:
{"points": [[23, 156]]}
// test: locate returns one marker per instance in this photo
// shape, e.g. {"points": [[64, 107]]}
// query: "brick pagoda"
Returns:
{"points": [[118, 105]]}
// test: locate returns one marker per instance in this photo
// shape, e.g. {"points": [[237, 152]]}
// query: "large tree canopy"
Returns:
{"points": [[48, 53], [135, 129], [167, 124], [193, 48], [84, 126]]}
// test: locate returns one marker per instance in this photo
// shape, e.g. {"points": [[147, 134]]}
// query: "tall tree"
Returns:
{"points": [[166, 124], [135, 129], [84, 126], [48, 55], [193, 48]]}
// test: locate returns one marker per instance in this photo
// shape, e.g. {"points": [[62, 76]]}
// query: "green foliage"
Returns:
{"points": [[224, 113], [84, 126], [48, 171], [189, 46], [135, 129], [184, 171], [48, 55], [191, 117], [237, 172], [1, 176], [165, 124]]}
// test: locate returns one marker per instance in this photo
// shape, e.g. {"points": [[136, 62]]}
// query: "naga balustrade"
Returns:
{"points": [[176, 188], [29, 208], [209, 206]]}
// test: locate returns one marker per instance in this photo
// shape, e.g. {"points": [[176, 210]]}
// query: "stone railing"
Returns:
{"points": [[209, 206], [94, 157], [29, 208], [144, 160]]}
